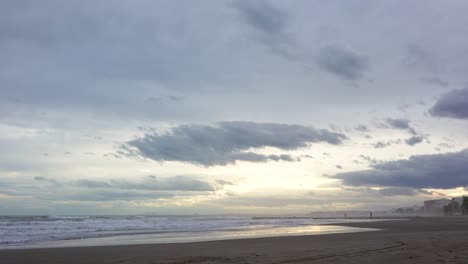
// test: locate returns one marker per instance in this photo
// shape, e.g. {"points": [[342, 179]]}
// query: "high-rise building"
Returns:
{"points": [[435, 206]]}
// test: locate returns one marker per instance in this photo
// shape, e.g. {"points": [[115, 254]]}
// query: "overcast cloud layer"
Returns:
{"points": [[236, 106]]}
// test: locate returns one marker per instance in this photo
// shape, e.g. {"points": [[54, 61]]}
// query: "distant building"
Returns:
{"points": [[463, 207], [435, 206], [459, 200]]}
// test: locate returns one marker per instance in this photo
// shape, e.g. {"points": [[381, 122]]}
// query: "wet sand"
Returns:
{"points": [[417, 240]]}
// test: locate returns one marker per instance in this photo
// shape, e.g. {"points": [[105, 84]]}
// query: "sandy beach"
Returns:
{"points": [[416, 240]]}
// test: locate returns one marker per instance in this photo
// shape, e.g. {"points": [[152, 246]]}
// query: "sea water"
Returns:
{"points": [[68, 231]]}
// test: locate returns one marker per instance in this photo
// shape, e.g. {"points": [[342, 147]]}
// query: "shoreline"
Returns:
{"points": [[131, 237], [154, 239], [424, 240]]}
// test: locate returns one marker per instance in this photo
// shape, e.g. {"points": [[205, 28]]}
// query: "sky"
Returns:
{"points": [[231, 107]]}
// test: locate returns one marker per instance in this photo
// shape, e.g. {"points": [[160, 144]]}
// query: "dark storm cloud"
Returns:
{"points": [[343, 62], [443, 171], [228, 142], [453, 104]]}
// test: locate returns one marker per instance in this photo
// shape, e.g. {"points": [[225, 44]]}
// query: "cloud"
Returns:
{"points": [[435, 81], [387, 191], [343, 62], [92, 184], [404, 124], [228, 142], [109, 195], [381, 144], [401, 191], [449, 170], [418, 56], [384, 144], [254, 157], [47, 180], [156, 50], [453, 104], [369, 159], [270, 23], [149, 187], [152, 183], [224, 182], [400, 123], [161, 99], [262, 16], [414, 140], [362, 128], [322, 199]]}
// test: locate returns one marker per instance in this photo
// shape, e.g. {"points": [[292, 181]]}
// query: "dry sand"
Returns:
{"points": [[417, 240]]}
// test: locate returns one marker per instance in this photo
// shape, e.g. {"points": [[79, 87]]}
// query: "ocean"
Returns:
{"points": [[70, 231]]}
